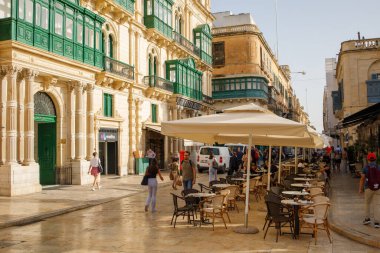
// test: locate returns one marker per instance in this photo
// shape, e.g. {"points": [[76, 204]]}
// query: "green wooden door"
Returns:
{"points": [[47, 152]]}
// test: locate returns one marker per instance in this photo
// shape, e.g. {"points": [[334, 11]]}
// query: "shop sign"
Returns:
{"points": [[188, 104], [108, 135]]}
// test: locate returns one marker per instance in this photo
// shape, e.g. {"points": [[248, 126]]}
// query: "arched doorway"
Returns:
{"points": [[45, 131]]}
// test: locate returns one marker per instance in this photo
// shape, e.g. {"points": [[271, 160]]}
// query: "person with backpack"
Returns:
{"points": [[370, 179], [212, 168], [174, 171], [188, 172]]}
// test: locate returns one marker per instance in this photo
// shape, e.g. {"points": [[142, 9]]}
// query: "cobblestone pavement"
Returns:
{"points": [[123, 226]]}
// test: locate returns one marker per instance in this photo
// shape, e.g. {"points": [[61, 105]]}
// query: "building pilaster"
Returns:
{"points": [[3, 116], [79, 142], [29, 76], [90, 121], [71, 121], [11, 125], [132, 139]]}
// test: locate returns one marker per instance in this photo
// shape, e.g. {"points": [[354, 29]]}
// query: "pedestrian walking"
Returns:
{"points": [[151, 174], [212, 168], [370, 179], [188, 172], [345, 160], [94, 170], [234, 164], [150, 155], [174, 170]]}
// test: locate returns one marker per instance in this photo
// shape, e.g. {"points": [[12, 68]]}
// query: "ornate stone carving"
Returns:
{"points": [[48, 82], [30, 74], [11, 70]]}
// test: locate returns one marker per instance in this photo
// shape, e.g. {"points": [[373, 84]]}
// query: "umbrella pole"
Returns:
{"points": [[269, 166], [279, 167], [245, 229], [296, 160]]}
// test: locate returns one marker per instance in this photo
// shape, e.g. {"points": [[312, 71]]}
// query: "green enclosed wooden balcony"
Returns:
{"points": [[119, 68], [240, 94], [158, 82], [240, 87], [207, 99], [128, 5], [158, 15]]}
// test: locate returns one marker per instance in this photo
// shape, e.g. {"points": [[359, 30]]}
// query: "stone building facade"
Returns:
{"points": [[246, 70], [358, 82], [79, 76], [329, 120]]}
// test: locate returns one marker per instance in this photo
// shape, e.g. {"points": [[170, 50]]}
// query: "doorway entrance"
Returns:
{"points": [[108, 150], [155, 141], [45, 131]]}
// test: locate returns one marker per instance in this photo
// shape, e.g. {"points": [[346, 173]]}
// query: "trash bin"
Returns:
{"points": [[141, 165]]}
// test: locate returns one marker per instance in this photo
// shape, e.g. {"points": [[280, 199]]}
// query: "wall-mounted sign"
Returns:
{"points": [[108, 135], [188, 104]]}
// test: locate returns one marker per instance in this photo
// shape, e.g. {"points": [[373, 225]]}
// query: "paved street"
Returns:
{"points": [[123, 226]]}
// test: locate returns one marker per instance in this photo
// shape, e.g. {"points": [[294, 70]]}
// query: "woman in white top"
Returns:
{"points": [[212, 163], [94, 170]]}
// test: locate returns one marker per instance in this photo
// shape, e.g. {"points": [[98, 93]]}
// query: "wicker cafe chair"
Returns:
{"points": [[191, 201], [213, 208], [227, 194], [205, 188], [231, 200], [214, 182], [278, 217], [222, 180], [181, 211], [274, 198], [318, 220]]}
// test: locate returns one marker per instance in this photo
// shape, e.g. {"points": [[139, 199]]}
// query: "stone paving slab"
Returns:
{"points": [[347, 211], [61, 199]]}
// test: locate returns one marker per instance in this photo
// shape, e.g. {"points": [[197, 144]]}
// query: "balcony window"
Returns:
{"points": [[42, 15], [373, 91], [158, 15], [202, 39], [187, 79]]}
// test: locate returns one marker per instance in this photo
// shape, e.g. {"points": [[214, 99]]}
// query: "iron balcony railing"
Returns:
{"points": [[180, 39], [119, 68], [158, 82], [207, 99]]}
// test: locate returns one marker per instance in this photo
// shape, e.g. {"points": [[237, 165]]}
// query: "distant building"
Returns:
{"points": [[358, 82], [329, 119], [246, 70]]}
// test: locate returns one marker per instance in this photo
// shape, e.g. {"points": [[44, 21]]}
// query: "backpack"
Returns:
{"points": [[373, 178], [215, 164], [191, 163]]}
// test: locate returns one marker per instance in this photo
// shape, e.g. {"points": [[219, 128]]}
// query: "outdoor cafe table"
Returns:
{"points": [[221, 186], [301, 185], [302, 179], [295, 193], [252, 175], [201, 196], [305, 175], [238, 180], [296, 205]]}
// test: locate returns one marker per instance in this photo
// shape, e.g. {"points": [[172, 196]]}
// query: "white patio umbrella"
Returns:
{"points": [[238, 124]]}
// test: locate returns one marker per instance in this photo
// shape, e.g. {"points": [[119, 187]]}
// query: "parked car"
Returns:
{"points": [[222, 155]]}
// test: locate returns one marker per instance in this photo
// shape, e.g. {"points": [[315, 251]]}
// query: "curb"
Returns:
{"points": [[353, 234], [50, 214]]}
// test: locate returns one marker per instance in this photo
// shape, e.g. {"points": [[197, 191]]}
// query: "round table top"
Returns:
{"points": [[302, 179], [298, 193], [305, 175], [221, 185], [301, 185], [298, 203], [252, 175], [201, 195], [238, 179]]}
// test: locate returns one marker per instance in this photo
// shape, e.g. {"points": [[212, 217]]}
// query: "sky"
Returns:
{"points": [[308, 32]]}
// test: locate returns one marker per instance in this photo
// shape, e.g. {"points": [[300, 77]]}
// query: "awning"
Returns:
{"points": [[154, 128], [360, 116]]}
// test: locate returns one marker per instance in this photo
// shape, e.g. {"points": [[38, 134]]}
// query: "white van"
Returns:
{"points": [[233, 147], [221, 154]]}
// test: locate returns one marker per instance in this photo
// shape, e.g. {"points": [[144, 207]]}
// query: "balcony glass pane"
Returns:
{"points": [[29, 11], [58, 21]]}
